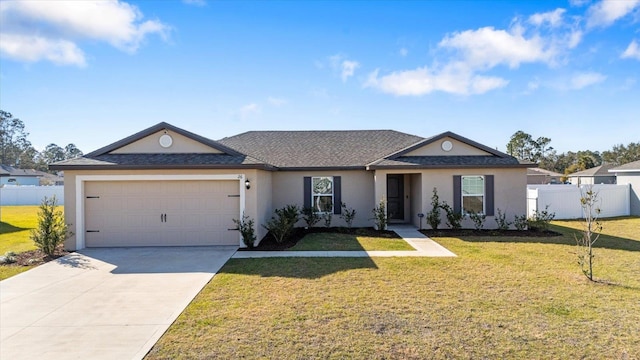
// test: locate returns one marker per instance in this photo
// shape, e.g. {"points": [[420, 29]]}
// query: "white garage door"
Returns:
{"points": [[161, 213]]}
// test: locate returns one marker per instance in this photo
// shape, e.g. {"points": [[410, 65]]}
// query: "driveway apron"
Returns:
{"points": [[102, 303]]}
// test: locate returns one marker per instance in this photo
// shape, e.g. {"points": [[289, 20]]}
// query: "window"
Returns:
{"points": [[473, 194], [322, 194]]}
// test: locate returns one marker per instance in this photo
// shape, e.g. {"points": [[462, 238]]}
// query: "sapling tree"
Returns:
{"points": [[591, 229], [51, 230], [433, 216]]}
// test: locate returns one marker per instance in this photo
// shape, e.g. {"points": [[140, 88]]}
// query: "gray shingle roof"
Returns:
{"points": [[449, 162], [320, 149], [602, 170], [540, 171], [6, 170], [632, 166], [161, 161]]}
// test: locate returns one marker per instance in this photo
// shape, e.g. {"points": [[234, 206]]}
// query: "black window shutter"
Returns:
{"points": [[307, 192], [337, 195], [488, 194], [457, 193]]}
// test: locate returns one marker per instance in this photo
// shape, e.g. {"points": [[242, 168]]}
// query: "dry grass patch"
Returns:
{"points": [[500, 298], [349, 242]]}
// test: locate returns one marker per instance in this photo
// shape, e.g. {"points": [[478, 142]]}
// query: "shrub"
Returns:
{"points": [[501, 220], [380, 215], [8, 258], [478, 219], [327, 219], [51, 230], [433, 216], [454, 219], [283, 222], [310, 216], [348, 214], [520, 222], [541, 219], [245, 226]]}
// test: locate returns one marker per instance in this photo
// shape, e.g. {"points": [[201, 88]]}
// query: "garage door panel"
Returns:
{"points": [[129, 213]]}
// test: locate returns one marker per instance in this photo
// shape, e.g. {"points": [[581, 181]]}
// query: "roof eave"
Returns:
{"points": [[428, 167], [162, 167]]}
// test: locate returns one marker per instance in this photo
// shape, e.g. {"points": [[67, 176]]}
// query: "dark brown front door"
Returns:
{"points": [[395, 197]]}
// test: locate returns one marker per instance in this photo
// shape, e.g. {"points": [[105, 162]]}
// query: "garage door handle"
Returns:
{"points": [[165, 217]]}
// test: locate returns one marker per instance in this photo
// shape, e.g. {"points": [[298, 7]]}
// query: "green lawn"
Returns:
{"points": [[16, 223], [347, 242], [500, 298]]}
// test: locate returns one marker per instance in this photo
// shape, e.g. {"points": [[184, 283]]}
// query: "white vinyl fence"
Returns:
{"points": [[29, 195], [564, 200]]}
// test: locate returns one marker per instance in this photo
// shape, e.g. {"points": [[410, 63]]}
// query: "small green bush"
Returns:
{"points": [[454, 219], [245, 226], [380, 215], [433, 216], [327, 217], [520, 222], [51, 230], [478, 219], [501, 220], [310, 216], [281, 225], [348, 215], [541, 219], [8, 258]]}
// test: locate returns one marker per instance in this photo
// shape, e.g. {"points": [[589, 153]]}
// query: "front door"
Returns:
{"points": [[395, 197]]}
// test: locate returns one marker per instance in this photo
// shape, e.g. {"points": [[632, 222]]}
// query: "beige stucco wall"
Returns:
{"points": [[357, 192], [435, 149], [151, 145], [634, 180], [256, 206], [510, 187]]}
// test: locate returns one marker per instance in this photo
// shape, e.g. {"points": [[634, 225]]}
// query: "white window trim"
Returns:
{"points": [[82, 179], [313, 194], [483, 194]]}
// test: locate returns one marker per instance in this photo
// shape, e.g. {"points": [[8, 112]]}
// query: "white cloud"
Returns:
{"points": [[404, 52], [195, 2], [61, 24], [249, 110], [632, 51], [277, 102], [578, 3], [488, 47], [607, 12], [33, 48], [343, 65], [583, 80], [455, 79], [553, 18]]}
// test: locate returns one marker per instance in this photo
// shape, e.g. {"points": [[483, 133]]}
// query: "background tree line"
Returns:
{"points": [[16, 150], [524, 147]]}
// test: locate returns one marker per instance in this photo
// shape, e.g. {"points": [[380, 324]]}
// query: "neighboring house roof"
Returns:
{"points": [[320, 149], [602, 170], [628, 167], [6, 170], [542, 172], [293, 150]]}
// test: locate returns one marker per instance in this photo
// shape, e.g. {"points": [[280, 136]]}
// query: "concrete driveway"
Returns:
{"points": [[102, 303]]}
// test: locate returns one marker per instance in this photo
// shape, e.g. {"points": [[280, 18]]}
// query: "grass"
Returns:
{"points": [[500, 298], [348, 242], [16, 223]]}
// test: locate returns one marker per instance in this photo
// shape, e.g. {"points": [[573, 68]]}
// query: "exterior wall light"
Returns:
{"points": [[247, 184]]}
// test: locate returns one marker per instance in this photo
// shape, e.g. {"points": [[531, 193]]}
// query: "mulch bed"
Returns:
{"points": [[493, 232], [268, 243], [36, 257]]}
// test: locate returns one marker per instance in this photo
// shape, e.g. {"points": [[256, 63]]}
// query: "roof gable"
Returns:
{"points": [[148, 142], [602, 170], [461, 146], [628, 167]]}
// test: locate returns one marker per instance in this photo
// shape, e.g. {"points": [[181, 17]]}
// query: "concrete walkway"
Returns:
{"points": [[102, 303], [425, 247]]}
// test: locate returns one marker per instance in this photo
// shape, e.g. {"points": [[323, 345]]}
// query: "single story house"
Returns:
{"points": [[630, 174], [10, 175], [165, 186], [595, 175], [543, 176]]}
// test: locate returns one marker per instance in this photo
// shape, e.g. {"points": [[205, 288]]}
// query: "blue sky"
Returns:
{"points": [[92, 73]]}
